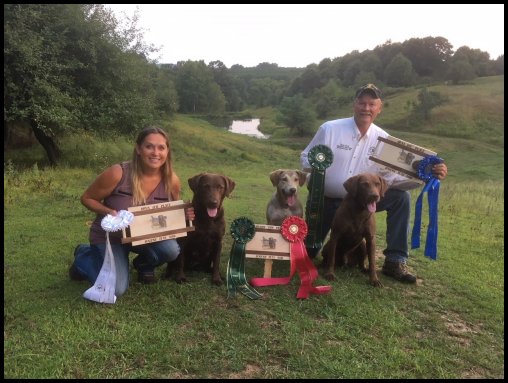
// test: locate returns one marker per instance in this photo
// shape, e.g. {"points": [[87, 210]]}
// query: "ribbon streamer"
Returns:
{"points": [[294, 229], [103, 290], [320, 157], [242, 231], [432, 188]]}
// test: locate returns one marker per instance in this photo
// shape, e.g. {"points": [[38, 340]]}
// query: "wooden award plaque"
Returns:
{"points": [[157, 222], [400, 156], [268, 244]]}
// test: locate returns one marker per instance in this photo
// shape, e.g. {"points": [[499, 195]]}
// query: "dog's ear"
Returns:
{"points": [[351, 185], [274, 176], [194, 182], [384, 187], [302, 177], [230, 185]]}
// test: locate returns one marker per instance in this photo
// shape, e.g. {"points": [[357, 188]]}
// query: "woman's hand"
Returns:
{"points": [[189, 214]]}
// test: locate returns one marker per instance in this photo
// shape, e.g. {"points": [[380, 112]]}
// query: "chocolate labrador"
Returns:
{"points": [[353, 230], [201, 249]]}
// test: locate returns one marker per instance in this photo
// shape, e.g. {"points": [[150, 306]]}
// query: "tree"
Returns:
{"points": [[166, 96], [327, 99], [499, 65], [226, 83], [479, 60], [399, 72], [326, 70], [371, 64], [428, 100], [429, 55], [265, 91], [364, 77], [310, 80], [342, 64], [351, 72], [68, 66], [36, 82], [387, 51], [197, 89], [460, 70], [297, 115]]}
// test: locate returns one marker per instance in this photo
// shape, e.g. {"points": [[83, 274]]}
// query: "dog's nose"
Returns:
{"points": [[292, 190]]}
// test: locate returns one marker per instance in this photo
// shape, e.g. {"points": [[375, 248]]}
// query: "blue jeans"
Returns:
{"points": [[397, 204], [89, 258]]}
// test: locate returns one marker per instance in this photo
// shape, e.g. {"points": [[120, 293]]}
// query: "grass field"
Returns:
{"points": [[449, 325]]}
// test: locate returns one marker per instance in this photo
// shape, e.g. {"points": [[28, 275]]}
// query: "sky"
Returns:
{"points": [[298, 35]]}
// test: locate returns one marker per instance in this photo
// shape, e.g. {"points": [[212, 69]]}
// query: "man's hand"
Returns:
{"points": [[440, 171]]}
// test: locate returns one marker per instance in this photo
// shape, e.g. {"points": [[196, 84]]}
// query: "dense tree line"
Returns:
{"points": [[75, 66]]}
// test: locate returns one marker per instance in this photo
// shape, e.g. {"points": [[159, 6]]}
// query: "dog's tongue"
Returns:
{"points": [[212, 212], [291, 200], [372, 207]]}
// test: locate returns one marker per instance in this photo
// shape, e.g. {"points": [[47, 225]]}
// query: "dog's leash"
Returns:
{"points": [[432, 187], [320, 157]]}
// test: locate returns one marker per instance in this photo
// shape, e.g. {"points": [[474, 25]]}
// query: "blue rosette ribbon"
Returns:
{"points": [[432, 188]]}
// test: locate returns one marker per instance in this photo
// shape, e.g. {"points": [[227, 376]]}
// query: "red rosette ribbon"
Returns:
{"points": [[294, 230]]}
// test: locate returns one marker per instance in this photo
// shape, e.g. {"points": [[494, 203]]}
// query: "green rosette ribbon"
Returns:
{"points": [[320, 158], [242, 230]]}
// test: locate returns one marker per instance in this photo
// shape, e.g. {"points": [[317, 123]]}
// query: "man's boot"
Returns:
{"points": [[398, 271]]}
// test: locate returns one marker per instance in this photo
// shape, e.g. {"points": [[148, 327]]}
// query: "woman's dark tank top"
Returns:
{"points": [[121, 199]]}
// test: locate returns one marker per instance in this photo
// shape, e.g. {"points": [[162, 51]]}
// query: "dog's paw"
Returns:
{"points": [[181, 279], [217, 280], [376, 283], [330, 277]]}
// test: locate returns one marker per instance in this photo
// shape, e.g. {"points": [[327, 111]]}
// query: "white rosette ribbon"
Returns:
{"points": [[103, 290]]}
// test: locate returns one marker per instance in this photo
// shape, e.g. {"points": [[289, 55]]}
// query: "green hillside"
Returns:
{"points": [[474, 111]]}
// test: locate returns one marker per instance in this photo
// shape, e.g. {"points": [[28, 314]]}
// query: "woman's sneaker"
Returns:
{"points": [[398, 271], [146, 277], [74, 273]]}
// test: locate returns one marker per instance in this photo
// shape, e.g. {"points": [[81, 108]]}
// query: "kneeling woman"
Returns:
{"points": [[147, 179]]}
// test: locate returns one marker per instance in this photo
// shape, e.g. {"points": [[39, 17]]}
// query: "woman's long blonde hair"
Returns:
{"points": [[138, 197]]}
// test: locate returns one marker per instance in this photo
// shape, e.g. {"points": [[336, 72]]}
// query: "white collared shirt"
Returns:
{"points": [[350, 155]]}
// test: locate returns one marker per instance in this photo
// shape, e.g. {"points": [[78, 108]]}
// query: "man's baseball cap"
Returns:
{"points": [[371, 88]]}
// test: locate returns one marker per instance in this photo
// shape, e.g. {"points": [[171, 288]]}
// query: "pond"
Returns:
{"points": [[248, 127]]}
